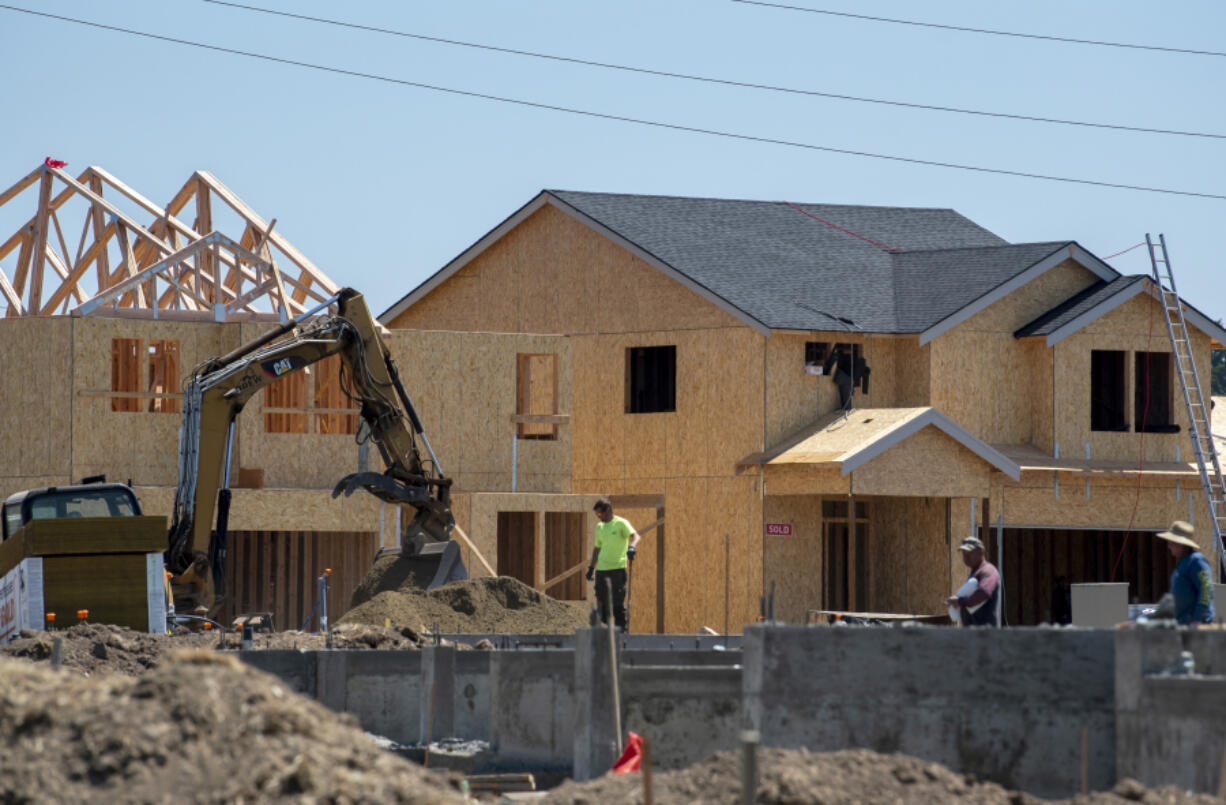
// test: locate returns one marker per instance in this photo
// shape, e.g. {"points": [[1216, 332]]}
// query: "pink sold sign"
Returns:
{"points": [[778, 529]]}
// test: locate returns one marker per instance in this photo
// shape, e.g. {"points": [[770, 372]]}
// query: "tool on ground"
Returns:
{"points": [[323, 599], [648, 795], [1189, 382]]}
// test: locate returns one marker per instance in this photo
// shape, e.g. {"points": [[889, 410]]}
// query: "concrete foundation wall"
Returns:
{"points": [[1006, 705], [1171, 727]]}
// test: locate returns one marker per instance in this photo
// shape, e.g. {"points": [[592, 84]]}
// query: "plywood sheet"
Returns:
{"points": [[543, 276], [793, 564], [35, 385], [927, 463]]}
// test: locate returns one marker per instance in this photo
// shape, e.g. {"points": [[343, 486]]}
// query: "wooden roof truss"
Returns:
{"points": [[168, 269]]}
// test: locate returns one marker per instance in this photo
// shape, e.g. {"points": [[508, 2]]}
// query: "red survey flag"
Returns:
{"points": [[632, 757], [55, 163]]}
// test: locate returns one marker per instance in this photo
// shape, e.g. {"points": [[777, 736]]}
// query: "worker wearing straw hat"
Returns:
{"points": [[1191, 583]]}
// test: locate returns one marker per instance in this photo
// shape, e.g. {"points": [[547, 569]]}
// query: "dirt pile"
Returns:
{"points": [[202, 727], [90, 649], [482, 605], [797, 777]]}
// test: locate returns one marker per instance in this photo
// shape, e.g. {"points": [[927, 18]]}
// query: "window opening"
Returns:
{"points": [[164, 376], [287, 398], [125, 374], [536, 384], [845, 559], [1153, 375], [1108, 396], [331, 402], [651, 379]]}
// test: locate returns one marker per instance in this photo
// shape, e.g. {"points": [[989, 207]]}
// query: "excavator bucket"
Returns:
{"points": [[450, 565]]}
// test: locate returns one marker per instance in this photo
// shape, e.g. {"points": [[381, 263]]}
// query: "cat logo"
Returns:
{"points": [[282, 366]]}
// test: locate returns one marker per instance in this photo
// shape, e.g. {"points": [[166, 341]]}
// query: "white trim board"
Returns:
{"points": [[1192, 316], [1069, 250]]}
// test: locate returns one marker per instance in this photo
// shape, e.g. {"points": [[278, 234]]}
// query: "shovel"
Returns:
{"points": [[629, 591]]}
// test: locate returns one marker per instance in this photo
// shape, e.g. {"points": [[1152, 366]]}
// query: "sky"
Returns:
{"points": [[381, 183]]}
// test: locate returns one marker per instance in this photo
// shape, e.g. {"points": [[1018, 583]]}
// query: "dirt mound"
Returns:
{"points": [[798, 777], [501, 604], [394, 571], [96, 648], [201, 728]]}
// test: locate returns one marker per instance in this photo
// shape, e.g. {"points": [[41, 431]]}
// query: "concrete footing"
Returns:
{"points": [[1007, 705]]}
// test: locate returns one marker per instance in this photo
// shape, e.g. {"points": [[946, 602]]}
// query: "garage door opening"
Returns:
{"points": [[1040, 564]]}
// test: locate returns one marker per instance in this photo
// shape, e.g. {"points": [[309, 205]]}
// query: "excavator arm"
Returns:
{"points": [[215, 394]]}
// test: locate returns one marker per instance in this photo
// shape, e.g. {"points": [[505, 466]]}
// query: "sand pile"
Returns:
{"points": [[797, 777], [103, 648], [480, 605], [202, 727]]}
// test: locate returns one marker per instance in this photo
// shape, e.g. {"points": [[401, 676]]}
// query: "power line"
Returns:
{"points": [[619, 118], [966, 29], [709, 80]]}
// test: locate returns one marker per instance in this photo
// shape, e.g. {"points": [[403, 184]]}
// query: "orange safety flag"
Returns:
{"points": [[632, 757]]}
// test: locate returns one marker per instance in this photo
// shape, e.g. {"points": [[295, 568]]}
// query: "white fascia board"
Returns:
{"points": [[1078, 254], [655, 262], [1197, 319], [932, 416], [463, 259], [1101, 309]]}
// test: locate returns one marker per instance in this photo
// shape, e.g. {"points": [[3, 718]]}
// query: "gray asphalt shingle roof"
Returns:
{"points": [[789, 271]]}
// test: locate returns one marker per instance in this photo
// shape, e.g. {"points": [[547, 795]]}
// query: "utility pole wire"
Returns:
{"points": [[709, 80], [619, 118], [966, 29]]}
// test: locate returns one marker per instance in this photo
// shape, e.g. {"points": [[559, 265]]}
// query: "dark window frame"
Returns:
{"points": [[1153, 370], [1109, 390], [651, 379]]}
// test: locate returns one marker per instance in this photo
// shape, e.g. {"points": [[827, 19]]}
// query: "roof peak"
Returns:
{"points": [[782, 202]]}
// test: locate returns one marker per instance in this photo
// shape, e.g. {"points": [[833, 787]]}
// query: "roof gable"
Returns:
{"points": [[1100, 299], [784, 266]]}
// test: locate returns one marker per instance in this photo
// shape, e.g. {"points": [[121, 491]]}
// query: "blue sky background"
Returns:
{"points": [[380, 184]]}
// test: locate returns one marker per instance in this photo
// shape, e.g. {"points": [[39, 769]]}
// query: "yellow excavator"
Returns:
{"points": [[215, 394]]}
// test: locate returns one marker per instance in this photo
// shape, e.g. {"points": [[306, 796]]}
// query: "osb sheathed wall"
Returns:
{"points": [[552, 274], [689, 455], [909, 568], [284, 509], [36, 413], [926, 463], [1135, 326], [464, 388], [794, 398], [793, 564], [142, 446], [978, 369]]}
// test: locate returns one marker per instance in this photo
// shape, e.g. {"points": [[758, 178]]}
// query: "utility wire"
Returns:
{"points": [[621, 118], [721, 81], [966, 29]]}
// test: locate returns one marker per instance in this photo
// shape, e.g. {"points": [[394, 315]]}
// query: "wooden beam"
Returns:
{"points": [[10, 293], [29, 179], [23, 265], [468, 543], [563, 576], [100, 241], [246, 213], [40, 241], [16, 237], [541, 419]]}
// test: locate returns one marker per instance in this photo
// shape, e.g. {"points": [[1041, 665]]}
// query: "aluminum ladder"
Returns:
{"points": [[1189, 382]]}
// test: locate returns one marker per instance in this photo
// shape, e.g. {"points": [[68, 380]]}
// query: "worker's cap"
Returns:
{"points": [[971, 544], [1180, 534]]}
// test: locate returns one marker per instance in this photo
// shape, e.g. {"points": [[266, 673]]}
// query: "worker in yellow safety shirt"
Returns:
{"points": [[616, 543]]}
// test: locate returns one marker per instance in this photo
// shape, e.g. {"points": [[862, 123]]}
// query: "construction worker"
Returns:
{"points": [[1191, 583], [981, 606], [615, 546]]}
